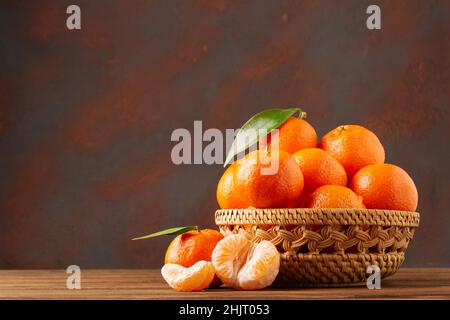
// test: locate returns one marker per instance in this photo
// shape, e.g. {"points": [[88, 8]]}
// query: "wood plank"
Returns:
{"points": [[148, 284]]}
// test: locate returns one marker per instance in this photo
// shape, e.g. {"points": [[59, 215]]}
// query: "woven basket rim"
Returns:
{"points": [[317, 216], [332, 256]]}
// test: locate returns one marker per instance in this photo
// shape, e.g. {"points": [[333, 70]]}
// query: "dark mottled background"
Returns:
{"points": [[86, 116]]}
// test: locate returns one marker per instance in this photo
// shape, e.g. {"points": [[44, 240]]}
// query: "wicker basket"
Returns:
{"points": [[326, 247]]}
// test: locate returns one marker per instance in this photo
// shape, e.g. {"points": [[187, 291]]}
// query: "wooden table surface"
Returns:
{"points": [[148, 284]]}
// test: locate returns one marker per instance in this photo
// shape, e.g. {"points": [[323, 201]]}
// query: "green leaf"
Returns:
{"points": [[261, 124], [170, 231]]}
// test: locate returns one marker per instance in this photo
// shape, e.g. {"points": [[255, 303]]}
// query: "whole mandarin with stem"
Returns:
{"points": [[190, 247], [354, 147], [293, 135]]}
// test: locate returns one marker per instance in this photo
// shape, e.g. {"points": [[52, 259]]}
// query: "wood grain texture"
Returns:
{"points": [[148, 284]]}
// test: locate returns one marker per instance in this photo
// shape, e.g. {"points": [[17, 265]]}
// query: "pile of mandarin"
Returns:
{"points": [[345, 169]]}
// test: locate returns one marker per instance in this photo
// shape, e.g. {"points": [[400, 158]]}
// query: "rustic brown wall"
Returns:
{"points": [[86, 116]]}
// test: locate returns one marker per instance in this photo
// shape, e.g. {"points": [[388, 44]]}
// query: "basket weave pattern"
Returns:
{"points": [[321, 247]]}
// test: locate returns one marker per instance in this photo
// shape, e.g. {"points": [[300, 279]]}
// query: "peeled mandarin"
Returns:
{"points": [[244, 265]]}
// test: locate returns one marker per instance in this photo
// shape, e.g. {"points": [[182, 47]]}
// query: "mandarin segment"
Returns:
{"points": [[261, 268], [195, 278], [244, 265], [228, 257]]}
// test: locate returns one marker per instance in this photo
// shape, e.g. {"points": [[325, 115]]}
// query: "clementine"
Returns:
{"points": [[319, 168], [262, 180], [227, 192], [354, 147], [190, 247], [293, 135], [385, 186], [330, 196]]}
